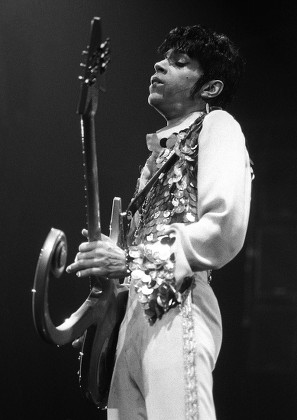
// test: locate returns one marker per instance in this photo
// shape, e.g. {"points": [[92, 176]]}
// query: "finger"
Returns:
{"points": [[99, 272], [105, 238], [85, 233], [93, 262], [87, 255], [92, 271], [70, 268], [114, 268], [105, 245], [82, 264], [89, 246]]}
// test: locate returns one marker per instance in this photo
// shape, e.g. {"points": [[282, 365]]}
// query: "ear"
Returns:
{"points": [[211, 89]]}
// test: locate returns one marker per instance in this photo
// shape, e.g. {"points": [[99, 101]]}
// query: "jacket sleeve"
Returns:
{"points": [[224, 194]]}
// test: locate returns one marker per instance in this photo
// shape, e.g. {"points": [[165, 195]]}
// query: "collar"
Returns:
{"points": [[166, 137]]}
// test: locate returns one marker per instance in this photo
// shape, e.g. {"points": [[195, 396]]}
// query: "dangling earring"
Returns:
{"points": [[207, 108]]}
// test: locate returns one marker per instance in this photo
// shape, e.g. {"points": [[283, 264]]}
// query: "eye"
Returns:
{"points": [[177, 62], [177, 59], [180, 64]]}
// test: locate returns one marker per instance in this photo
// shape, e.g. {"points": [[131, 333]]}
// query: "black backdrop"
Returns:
{"points": [[42, 184]]}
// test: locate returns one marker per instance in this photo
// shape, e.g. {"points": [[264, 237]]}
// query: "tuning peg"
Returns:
{"points": [[92, 80], [94, 69], [80, 78], [83, 65]]}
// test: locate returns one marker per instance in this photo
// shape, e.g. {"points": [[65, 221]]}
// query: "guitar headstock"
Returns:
{"points": [[95, 60]]}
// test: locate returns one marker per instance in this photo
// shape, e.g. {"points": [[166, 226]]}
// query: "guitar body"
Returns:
{"points": [[98, 353], [97, 320]]}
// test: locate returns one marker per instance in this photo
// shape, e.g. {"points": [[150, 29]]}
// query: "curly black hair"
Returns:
{"points": [[216, 54]]}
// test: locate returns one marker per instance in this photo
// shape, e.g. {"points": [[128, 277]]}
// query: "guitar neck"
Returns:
{"points": [[91, 176], [97, 57]]}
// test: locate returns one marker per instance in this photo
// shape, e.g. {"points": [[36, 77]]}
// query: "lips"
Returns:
{"points": [[155, 79]]}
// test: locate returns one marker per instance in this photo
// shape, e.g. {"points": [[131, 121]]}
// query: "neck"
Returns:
{"points": [[172, 122], [181, 123], [178, 115]]}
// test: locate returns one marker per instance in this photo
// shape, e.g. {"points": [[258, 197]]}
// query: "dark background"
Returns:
{"points": [[42, 187]]}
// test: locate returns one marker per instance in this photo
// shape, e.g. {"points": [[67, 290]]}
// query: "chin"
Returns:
{"points": [[154, 100]]}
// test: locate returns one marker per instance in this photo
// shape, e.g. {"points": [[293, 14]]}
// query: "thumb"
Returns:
{"points": [[85, 233], [103, 237]]}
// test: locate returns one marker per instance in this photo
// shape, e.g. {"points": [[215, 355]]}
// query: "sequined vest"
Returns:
{"points": [[173, 198]]}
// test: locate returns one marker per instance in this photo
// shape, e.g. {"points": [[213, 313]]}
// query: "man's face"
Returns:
{"points": [[171, 85]]}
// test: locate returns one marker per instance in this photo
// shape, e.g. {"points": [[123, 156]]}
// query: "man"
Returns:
{"points": [[193, 220]]}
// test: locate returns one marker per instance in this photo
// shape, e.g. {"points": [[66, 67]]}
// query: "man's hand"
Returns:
{"points": [[99, 258]]}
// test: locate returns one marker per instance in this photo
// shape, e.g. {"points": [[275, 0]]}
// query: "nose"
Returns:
{"points": [[160, 66]]}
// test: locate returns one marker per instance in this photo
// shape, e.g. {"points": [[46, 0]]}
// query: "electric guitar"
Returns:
{"points": [[96, 322]]}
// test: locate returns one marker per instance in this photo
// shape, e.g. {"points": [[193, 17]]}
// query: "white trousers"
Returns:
{"points": [[158, 375]]}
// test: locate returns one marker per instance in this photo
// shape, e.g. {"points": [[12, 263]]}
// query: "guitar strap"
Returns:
{"points": [[137, 202]]}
